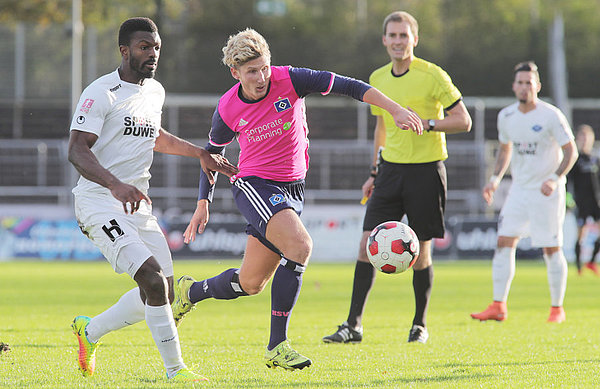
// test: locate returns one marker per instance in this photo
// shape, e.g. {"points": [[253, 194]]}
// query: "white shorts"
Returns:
{"points": [[527, 212], [103, 220]]}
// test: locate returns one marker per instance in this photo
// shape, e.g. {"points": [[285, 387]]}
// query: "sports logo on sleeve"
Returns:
{"points": [[87, 104], [282, 105]]}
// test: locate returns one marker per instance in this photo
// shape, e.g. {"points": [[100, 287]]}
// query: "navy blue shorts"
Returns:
{"points": [[259, 199]]}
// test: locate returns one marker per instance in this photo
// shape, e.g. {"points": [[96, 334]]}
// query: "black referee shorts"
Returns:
{"points": [[417, 190]]}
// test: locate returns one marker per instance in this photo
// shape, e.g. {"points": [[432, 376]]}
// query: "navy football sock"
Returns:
{"points": [[284, 293], [225, 286]]}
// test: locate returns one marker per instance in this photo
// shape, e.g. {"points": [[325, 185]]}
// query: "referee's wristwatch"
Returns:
{"points": [[431, 123]]}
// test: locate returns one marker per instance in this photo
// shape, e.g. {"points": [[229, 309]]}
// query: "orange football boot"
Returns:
{"points": [[593, 267], [557, 315], [495, 311]]}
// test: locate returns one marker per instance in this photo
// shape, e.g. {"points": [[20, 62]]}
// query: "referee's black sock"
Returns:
{"points": [[578, 255], [364, 275], [596, 249], [422, 283]]}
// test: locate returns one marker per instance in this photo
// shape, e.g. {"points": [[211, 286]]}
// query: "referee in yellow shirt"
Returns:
{"points": [[410, 177]]}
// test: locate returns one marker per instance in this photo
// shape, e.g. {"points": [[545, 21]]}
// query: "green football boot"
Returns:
{"points": [[87, 349], [186, 375], [283, 355], [182, 304]]}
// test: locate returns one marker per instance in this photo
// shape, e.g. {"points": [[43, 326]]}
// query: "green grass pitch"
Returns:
{"points": [[225, 340]]}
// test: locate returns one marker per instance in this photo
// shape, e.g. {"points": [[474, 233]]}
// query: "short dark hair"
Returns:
{"points": [[527, 66], [132, 25], [402, 16]]}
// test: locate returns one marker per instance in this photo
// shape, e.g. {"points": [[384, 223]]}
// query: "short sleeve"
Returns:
{"points": [[561, 130], [445, 92], [375, 110], [91, 111], [501, 124]]}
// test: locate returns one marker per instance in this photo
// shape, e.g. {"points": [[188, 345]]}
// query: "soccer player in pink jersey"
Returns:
{"points": [[265, 112]]}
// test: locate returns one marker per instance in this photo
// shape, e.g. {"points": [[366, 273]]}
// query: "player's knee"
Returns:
{"points": [[362, 248], [300, 251], [157, 282], [507, 241], [253, 287], [423, 261], [551, 250], [154, 284]]}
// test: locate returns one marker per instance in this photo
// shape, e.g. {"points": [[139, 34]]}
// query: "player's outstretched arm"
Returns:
{"points": [[457, 120], [86, 163], [170, 144], [402, 117], [198, 221]]}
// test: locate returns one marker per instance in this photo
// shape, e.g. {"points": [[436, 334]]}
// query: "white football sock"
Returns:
{"points": [[503, 271], [127, 311], [162, 326], [556, 265]]}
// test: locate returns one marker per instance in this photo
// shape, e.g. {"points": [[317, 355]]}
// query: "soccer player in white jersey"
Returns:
{"points": [[536, 139], [115, 129]]}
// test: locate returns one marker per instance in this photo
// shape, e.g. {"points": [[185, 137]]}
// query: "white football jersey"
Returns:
{"points": [[537, 137], [126, 118]]}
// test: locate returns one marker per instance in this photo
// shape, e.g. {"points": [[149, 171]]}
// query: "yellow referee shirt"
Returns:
{"points": [[427, 90]]}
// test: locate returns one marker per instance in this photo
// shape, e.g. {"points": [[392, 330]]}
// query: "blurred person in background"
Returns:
{"points": [[583, 181], [410, 177], [114, 133], [265, 112], [537, 141]]}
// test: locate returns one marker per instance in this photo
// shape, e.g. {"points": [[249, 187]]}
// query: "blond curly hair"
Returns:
{"points": [[243, 47]]}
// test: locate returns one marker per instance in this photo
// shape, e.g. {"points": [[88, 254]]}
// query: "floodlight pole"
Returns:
{"points": [[558, 66], [76, 53]]}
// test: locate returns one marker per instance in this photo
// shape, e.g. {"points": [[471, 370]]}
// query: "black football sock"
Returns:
{"points": [[596, 249], [364, 276], [422, 283], [225, 286], [285, 289], [578, 255]]}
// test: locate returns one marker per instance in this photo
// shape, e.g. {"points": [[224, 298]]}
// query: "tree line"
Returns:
{"points": [[476, 41]]}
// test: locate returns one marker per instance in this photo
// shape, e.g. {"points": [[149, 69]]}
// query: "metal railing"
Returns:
{"points": [[37, 171]]}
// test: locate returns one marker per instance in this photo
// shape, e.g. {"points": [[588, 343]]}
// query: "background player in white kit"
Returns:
{"points": [[540, 141], [115, 129]]}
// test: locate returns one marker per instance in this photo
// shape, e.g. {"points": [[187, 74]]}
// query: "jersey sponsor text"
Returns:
{"points": [[138, 126], [265, 131]]}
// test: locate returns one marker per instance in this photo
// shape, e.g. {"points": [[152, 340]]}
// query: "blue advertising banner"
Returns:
{"points": [[335, 230], [29, 237]]}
